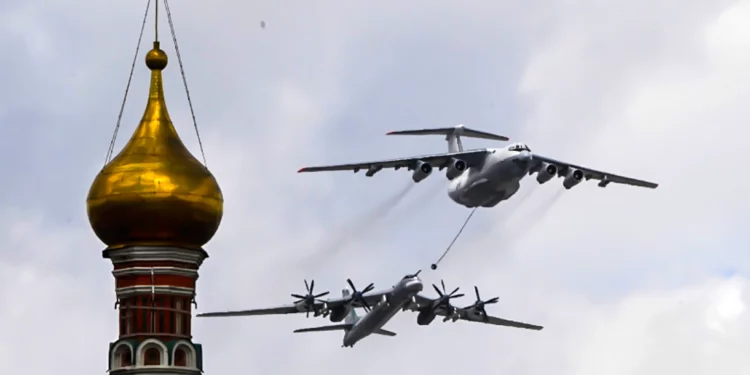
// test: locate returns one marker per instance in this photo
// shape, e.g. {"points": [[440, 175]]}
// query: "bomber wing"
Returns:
{"points": [[604, 178], [473, 158], [289, 309], [371, 299], [471, 315]]}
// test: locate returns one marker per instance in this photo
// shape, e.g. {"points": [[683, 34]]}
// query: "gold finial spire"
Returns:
{"points": [[156, 59], [155, 192]]}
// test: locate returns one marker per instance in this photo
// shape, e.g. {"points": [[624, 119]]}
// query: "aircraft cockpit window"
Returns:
{"points": [[519, 147]]}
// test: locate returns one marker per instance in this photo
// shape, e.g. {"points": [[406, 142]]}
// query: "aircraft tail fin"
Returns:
{"points": [[453, 135], [352, 317]]}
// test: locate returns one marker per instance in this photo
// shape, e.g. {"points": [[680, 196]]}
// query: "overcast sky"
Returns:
{"points": [[625, 280]]}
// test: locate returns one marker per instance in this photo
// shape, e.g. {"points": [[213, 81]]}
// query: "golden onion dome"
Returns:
{"points": [[154, 192]]}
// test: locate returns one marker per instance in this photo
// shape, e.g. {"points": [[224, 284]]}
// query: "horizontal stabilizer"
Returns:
{"points": [[334, 327], [385, 332], [459, 130]]}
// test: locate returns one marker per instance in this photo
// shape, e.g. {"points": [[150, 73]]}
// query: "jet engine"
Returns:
{"points": [[425, 317], [455, 168], [573, 178], [422, 171], [546, 173]]}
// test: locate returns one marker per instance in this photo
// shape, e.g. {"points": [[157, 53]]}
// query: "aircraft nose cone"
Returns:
{"points": [[522, 159], [415, 285]]}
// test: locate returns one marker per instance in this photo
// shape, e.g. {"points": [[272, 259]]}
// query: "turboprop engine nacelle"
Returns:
{"points": [[573, 178], [546, 173], [422, 171], [412, 304], [455, 168]]}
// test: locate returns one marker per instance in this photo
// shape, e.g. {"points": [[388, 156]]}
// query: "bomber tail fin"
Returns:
{"points": [[352, 317], [453, 135]]}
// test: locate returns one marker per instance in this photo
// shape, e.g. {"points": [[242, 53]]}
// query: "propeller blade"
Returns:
{"points": [[459, 295], [351, 284], [476, 290], [307, 286], [443, 284], [321, 294], [369, 288], [312, 286], [299, 296], [493, 300], [453, 292], [437, 290]]}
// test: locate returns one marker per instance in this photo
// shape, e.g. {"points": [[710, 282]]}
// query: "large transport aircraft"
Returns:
{"points": [[380, 308], [488, 176]]}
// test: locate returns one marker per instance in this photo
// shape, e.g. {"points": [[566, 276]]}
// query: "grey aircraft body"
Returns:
{"points": [[385, 305], [488, 176]]}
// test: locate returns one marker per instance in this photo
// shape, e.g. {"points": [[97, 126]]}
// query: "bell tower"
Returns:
{"points": [[155, 206]]}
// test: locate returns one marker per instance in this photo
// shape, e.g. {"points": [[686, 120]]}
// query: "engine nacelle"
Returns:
{"points": [[339, 313], [455, 168], [574, 177], [453, 317], [546, 173], [425, 317], [411, 305], [422, 171]]}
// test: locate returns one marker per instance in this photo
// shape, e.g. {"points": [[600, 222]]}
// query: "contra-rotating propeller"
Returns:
{"points": [[309, 299], [445, 297], [358, 296], [478, 306]]}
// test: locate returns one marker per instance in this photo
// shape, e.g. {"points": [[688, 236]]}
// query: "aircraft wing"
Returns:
{"points": [[604, 177], [470, 315], [473, 158], [289, 309], [371, 298]]}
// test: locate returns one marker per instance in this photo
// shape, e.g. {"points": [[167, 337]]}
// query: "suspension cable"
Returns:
{"points": [[184, 78], [127, 87], [434, 265]]}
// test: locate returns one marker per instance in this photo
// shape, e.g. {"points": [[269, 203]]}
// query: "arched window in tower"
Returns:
{"points": [[180, 357], [123, 356], [152, 356]]}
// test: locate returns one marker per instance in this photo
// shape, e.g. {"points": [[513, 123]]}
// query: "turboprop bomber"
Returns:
{"points": [[380, 307], [488, 176]]}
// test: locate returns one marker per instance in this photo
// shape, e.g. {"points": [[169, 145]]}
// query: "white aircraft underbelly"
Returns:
{"points": [[488, 187]]}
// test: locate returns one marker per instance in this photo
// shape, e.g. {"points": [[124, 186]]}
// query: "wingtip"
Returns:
{"points": [[302, 170], [390, 133]]}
